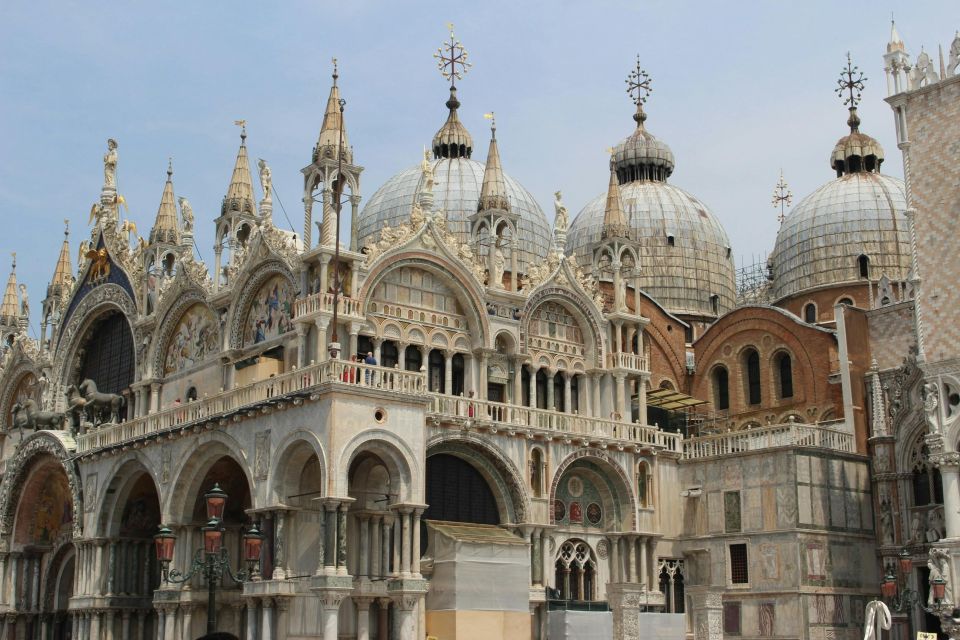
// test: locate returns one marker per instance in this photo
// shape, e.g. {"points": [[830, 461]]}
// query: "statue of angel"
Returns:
{"points": [[496, 278], [561, 221], [110, 164], [266, 180], [186, 212], [24, 301], [426, 168]]}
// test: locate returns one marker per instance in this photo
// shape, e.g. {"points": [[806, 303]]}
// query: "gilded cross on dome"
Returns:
{"points": [[851, 81], [452, 58], [782, 197]]}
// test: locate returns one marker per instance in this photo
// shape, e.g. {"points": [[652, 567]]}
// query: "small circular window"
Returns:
{"points": [[380, 415]]}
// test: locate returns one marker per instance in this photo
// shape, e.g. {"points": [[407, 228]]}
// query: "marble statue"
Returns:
{"points": [[110, 164], [496, 277], [24, 301], [561, 221], [186, 212], [953, 67], [931, 401], [266, 180], [426, 168]]}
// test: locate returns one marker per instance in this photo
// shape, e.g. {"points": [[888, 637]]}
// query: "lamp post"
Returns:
{"points": [[906, 598], [211, 561]]}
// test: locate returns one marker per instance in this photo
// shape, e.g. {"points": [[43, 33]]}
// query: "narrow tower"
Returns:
{"points": [[238, 213], [57, 291]]}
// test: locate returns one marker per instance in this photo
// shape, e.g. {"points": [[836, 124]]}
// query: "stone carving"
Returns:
{"points": [[916, 527], [931, 402], [885, 516], [266, 180], [99, 403], [24, 302], [923, 73], [953, 66], [261, 466], [426, 168], [186, 213], [100, 269], [110, 165], [28, 414], [561, 220], [935, 529], [271, 311], [496, 277], [166, 463], [76, 406], [938, 561]]}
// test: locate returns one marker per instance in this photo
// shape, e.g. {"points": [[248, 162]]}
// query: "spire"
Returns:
{"points": [[493, 193], [165, 228], [452, 140], [614, 222], [896, 42], [63, 274], [240, 192], [10, 307], [329, 140]]}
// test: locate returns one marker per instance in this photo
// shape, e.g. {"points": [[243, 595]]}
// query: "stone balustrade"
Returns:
{"points": [[823, 435], [629, 361], [508, 416], [323, 302]]}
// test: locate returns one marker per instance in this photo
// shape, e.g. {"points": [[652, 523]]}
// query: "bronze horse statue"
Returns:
{"points": [[35, 418], [98, 403], [76, 406]]}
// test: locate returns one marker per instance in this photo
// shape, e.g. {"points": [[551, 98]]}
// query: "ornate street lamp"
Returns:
{"points": [[211, 561], [905, 598]]}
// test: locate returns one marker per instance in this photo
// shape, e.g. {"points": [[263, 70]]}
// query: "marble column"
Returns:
{"points": [[402, 355], [363, 552], [95, 626], [567, 404], [329, 615], [187, 621], [631, 558], [536, 559], [517, 398], [614, 559], [405, 547], [266, 619], [330, 529], [397, 542], [125, 624], [375, 538], [482, 391], [385, 561], [949, 465], [363, 618], [252, 620], [415, 551], [342, 539], [644, 577], [321, 349], [595, 391], [551, 400], [533, 385]]}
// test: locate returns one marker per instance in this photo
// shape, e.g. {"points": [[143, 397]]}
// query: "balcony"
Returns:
{"points": [[496, 415], [629, 361], [291, 386], [822, 435], [323, 303]]}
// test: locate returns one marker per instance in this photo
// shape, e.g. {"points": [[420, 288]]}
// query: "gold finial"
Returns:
{"points": [[452, 58], [781, 197], [492, 117], [243, 128], [639, 88]]}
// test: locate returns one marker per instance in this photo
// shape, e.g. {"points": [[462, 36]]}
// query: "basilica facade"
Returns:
{"points": [[452, 418]]}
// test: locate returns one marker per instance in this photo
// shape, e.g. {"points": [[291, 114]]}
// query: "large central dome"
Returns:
{"points": [[684, 252]]}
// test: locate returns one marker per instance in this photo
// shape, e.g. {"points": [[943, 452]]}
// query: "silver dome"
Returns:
{"points": [[457, 183], [682, 277], [820, 241]]}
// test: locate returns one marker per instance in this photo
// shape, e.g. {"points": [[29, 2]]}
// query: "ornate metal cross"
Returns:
{"points": [[638, 84], [851, 81], [452, 59], [781, 197]]}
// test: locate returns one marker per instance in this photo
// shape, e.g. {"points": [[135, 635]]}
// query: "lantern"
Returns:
{"points": [[216, 500], [252, 543], [889, 586], [212, 537], [164, 541], [938, 587], [905, 561]]}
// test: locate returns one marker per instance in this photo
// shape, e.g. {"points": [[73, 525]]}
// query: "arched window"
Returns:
{"points": [[784, 369], [751, 362], [863, 265], [846, 301], [644, 485], [927, 485], [810, 313], [721, 388], [576, 571]]}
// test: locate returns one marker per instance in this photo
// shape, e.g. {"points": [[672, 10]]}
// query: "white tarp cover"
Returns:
{"points": [[477, 568], [580, 625], [663, 626]]}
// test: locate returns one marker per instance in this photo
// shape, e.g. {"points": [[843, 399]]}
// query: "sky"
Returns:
{"points": [[741, 90]]}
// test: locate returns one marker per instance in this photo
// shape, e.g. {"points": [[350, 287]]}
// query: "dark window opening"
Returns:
{"points": [[456, 492], [721, 388], [863, 264], [810, 313], [731, 618], [753, 377], [785, 369], [738, 564], [108, 355]]}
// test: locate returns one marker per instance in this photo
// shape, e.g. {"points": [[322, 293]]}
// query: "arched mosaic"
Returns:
{"points": [[194, 340], [271, 311]]}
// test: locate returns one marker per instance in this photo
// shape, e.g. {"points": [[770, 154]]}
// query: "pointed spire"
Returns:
{"points": [[10, 307], [329, 140], [896, 42], [63, 274], [240, 192], [614, 221], [493, 192], [165, 229]]}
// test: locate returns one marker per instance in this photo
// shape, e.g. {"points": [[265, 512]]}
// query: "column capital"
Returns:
{"points": [[946, 461]]}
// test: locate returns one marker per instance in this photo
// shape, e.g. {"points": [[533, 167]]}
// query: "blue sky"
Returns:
{"points": [[740, 90]]}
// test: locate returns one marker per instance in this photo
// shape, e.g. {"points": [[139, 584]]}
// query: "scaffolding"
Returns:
{"points": [[753, 281]]}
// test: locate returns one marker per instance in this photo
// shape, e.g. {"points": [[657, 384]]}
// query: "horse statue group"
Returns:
{"points": [[85, 404]]}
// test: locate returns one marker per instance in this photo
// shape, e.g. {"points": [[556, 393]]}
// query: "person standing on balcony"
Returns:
{"points": [[470, 409], [369, 360]]}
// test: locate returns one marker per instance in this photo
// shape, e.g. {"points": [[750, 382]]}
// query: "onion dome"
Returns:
{"points": [[452, 140], [851, 229], [165, 229], [684, 253], [240, 192]]}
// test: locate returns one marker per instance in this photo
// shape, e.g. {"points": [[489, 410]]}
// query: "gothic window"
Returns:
{"points": [[783, 367], [751, 363], [927, 485], [576, 571], [810, 313], [108, 355], [671, 585], [721, 388]]}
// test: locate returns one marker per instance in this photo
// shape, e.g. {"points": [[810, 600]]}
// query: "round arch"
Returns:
{"points": [[602, 467], [112, 499], [501, 475], [292, 454], [188, 479], [249, 288], [171, 314], [460, 282], [396, 455], [584, 312]]}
